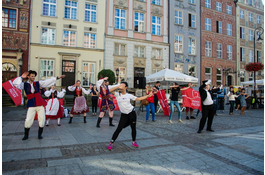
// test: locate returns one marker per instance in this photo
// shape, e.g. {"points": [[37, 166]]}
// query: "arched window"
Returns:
{"points": [[8, 67]]}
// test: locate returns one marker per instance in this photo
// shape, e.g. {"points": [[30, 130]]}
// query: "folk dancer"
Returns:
{"points": [[53, 104], [107, 102], [80, 105], [35, 102]]}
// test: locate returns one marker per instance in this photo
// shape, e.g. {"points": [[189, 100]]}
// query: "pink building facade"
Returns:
{"points": [[136, 38]]}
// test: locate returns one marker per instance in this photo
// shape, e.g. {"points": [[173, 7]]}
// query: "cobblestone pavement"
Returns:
{"points": [[236, 146]]}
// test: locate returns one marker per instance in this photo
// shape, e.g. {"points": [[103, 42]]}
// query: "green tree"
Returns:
{"points": [[107, 73]]}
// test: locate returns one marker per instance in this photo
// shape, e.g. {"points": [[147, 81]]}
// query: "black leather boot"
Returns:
{"points": [[70, 121], [99, 120], [84, 119], [40, 133], [26, 134], [110, 122]]}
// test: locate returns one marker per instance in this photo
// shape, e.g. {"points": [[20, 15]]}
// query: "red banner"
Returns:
{"points": [[13, 92], [163, 102], [191, 99], [60, 111], [114, 101]]}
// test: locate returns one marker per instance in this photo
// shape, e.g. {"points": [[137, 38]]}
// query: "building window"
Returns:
{"points": [[47, 69], [218, 6], [138, 22], [192, 1], [242, 54], [208, 4], [121, 76], [208, 48], [258, 19], [120, 19], [178, 17], [49, 8], [47, 36], [250, 17], [192, 70], [208, 24], [156, 53], [218, 26], [156, 25], [219, 50], [208, 73], [88, 73], [218, 76], [192, 20], [69, 38], [229, 10], [90, 13], [178, 44], [250, 76], [156, 2], [9, 18], [139, 51], [242, 33], [259, 56], [120, 49], [179, 68], [242, 14], [229, 52], [229, 29], [89, 40], [192, 46], [250, 56], [250, 35], [70, 9], [249, 2]]}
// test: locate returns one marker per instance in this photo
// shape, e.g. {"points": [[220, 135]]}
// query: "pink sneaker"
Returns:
{"points": [[135, 144], [110, 146]]}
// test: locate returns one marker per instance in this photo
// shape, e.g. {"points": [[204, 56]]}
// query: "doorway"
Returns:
{"points": [[68, 70], [229, 80], [9, 72], [138, 72]]}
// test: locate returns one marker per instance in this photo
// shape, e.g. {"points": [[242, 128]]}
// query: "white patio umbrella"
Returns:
{"points": [[258, 82], [170, 75]]}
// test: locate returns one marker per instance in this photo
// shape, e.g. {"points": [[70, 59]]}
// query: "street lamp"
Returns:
{"points": [[117, 74], [261, 30], [235, 1]]}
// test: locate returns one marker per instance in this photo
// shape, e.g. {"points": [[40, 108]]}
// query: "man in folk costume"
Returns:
{"points": [[35, 101], [80, 105], [107, 102], [53, 104]]}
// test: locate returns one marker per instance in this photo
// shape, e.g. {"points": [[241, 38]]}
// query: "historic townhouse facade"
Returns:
{"points": [[15, 38], [67, 37], [250, 15], [136, 38], [184, 37], [218, 41]]}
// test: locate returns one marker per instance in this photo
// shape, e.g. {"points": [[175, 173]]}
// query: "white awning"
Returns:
{"points": [[258, 82]]}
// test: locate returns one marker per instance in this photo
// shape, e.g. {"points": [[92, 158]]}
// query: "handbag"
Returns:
{"points": [[145, 102]]}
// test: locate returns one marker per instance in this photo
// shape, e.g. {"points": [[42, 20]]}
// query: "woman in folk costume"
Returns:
{"points": [[107, 102], [80, 105], [53, 104], [35, 102]]}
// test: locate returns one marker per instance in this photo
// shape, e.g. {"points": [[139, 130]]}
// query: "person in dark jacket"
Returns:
{"points": [[207, 105]]}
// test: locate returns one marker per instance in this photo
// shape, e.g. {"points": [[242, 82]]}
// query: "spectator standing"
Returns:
{"points": [[242, 97], [94, 98], [232, 100], [221, 99]]}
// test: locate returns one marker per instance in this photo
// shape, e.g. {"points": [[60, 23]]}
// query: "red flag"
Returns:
{"points": [[114, 101], [163, 102], [13, 92], [191, 99]]}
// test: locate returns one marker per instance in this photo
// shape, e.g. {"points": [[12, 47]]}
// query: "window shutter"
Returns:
{"points": [[189, 20], [217, 26], [241, 56], [240, 32]]}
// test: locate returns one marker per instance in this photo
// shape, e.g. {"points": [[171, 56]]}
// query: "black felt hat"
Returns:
{"points": [[32, 72]]}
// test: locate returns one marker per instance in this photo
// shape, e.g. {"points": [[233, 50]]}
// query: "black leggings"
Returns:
{"points": [[94, 105], [126, 120]]}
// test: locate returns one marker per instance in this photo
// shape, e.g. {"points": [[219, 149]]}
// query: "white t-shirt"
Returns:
{"points": [[124, 102]]}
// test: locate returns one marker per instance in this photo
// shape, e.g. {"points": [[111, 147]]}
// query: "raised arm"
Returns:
{"points": [[50, 82], [86, 91], [18, 83], [47, 93], [71, 88], [61, 94], [144, 97], [99, 83], [114, 88]]}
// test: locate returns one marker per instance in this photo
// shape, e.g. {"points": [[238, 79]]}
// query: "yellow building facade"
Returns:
{"points": [[67, 37]]}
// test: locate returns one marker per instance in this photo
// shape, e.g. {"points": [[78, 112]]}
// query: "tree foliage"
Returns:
{"points": [[107, 73]]}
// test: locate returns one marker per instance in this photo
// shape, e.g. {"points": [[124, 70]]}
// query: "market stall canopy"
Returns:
{"points": [[258, 82], [170, 75]]}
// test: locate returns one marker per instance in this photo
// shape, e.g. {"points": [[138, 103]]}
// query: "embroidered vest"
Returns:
{"points": [[53, 95], [102, 91], [34, 99], [78, 91]]}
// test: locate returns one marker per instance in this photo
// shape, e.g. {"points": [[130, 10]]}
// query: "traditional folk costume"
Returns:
{"points": [[53, 105], [107, 102], [35, 103], [80, 105]]}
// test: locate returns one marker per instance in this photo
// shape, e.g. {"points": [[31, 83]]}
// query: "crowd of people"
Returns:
{"points": [[212, 99]]}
